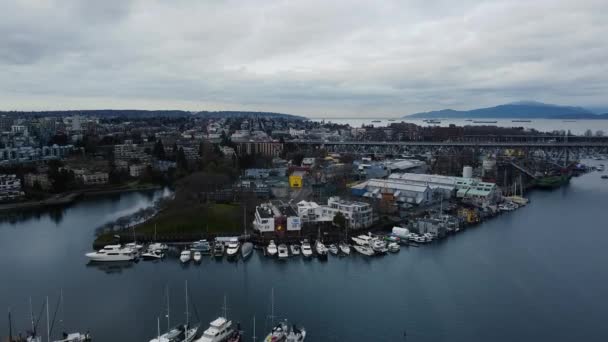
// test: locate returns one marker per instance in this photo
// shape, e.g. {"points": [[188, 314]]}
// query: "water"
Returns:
{"points": [[543, 125], [538, 273]]}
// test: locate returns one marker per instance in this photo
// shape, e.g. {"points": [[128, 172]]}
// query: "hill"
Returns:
{"points": [[233, 114], [135, 113], [517, 110]]}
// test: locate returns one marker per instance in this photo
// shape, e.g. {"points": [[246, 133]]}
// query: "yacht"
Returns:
{"points": [[218, 249], [344, 248], [306, 249], [134, 246], [220, 330], [197, 256], [75, 337], [379, 246], [321, 250], [156, 246], [184, 257], [295, 249], [283, 252], [333, 249], [153, 254], [365, 250], [113, 253], [362, 240], [393, 247], [233, 248], [271, 250], [202, 246], [282, 332], [246, 250]]}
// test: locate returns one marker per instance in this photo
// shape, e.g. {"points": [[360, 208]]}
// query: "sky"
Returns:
{"points": [[313, 58]]}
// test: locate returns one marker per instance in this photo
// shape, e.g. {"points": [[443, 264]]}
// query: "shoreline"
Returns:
{"points": [[71, 197]]}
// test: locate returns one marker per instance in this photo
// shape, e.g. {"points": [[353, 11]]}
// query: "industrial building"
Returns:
{"points": [[357, 214]]}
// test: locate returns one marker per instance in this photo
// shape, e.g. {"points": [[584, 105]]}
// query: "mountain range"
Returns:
{"points": [[516, 110]]}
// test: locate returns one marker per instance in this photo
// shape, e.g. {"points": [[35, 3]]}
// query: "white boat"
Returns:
{"points": [[271, 250], [156, 246], [153, 254], [184, 257], [246, 250], [295, 249], [333, 249], [378, 246], [197, 256], [344, 248], [112, 253], [75, 337], [320, 249], [362, 240], [219, 331], [233, 248], [306, 249], [282, 332], [218, 249], [283, 251], [394, 247], [365, 250], [202, 246], [134, 246], [429, 237]]}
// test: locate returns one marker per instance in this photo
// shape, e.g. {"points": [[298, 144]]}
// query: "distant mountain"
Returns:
{"points": [[234, 114], [516, 110]]}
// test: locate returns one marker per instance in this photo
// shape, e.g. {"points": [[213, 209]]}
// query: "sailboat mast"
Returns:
{"points": [[225, 309], [158, 328], [254, 338], [187, 315], [168, 311], [32, 317], [10, 326], [272, 307], [48, 328], [62, 309]]}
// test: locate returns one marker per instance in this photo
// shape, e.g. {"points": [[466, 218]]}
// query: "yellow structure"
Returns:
{"points": [[296, 179]]}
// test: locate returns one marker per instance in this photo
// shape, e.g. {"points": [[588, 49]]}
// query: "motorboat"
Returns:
{"points": [[282, 332], [75, 337], [181, 333], [111, 253], [321, 250], [218, 249], [429, 237], [283, 252], [233, 248], [379, 246], [197, 256], [365, 250], [271, 250], [134, 246], [362, 240], [156, 246], [295, 249], [246, 250], [184, 257], [202, 246], [394, 247], [344, 248], [333, 249], [153, 254], [306, 249], [220, 330]]}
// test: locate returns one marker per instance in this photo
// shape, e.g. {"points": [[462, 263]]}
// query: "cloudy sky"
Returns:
{"points": [[315, 58]]}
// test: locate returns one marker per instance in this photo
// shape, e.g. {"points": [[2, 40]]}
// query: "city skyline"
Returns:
{"points": [[343, 59]]}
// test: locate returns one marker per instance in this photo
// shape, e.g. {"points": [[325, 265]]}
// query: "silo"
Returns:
{"points": [[467, 172]]}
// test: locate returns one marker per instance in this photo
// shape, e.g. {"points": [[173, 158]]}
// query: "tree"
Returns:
{"points": [[599, 133], [182, 162], [159, 150], [588, 133], [340, 220]]}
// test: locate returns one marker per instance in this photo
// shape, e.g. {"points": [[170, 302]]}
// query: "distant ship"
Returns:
{"points": [[521, 120], [479, 121], [376, 120]]}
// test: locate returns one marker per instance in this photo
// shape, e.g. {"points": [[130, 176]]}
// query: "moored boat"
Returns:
{"points": [[218, 249], [294, 249], [321, 250], [365, 250], [344, 248], [153, 254], [283, 252], [184, 256], [306, 249], [333, 249], [233, 248], [197, 256], [393, 247], [246, 250], [111, 253], [271, 249]]}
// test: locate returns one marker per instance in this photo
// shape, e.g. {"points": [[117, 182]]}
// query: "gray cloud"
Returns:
{"points": [[317, 58]]}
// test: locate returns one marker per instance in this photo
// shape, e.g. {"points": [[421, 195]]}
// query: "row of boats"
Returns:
{"points": [[363, 244], [232, 249]]}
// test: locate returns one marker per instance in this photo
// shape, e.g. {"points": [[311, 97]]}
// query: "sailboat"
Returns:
{"points": [[282, 332], [180, 333], [32, 335]]}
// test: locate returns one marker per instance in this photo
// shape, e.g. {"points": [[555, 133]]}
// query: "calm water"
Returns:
{"points": [[542, 125], [537, 274]]}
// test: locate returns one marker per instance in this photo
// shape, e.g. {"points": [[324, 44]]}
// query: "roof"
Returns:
{"points": [[298, 173], [396, 185]]}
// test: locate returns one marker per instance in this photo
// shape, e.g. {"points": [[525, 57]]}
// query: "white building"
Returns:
{"points": [[276, 216], [137, 170], [357, 214], [10, 188], [397, 190], [94, 178]]}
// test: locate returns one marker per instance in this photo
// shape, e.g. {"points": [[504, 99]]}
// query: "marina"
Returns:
{"points": [[458, 260]]}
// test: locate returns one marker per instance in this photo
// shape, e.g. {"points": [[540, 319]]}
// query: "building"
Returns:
{"points": [[136, 170], [396, 191], [296, 179], [357, 214], [276, 217], [308, 162], [227, 151], [269, 149], [42, 179], [164, 165], [10, 188], [94, 178]]}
